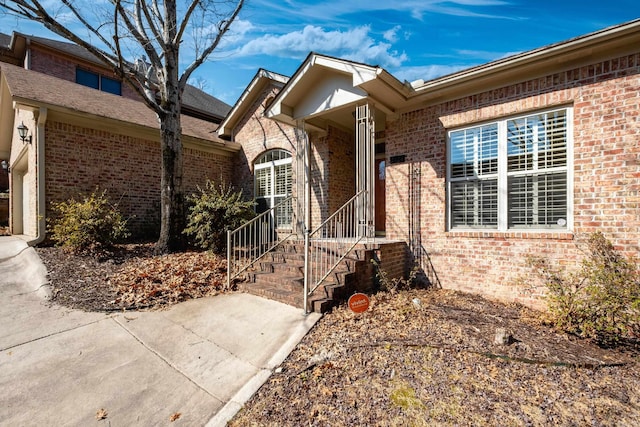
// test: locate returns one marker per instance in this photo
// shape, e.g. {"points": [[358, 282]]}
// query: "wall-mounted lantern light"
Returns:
{"points": [[23, 131]]}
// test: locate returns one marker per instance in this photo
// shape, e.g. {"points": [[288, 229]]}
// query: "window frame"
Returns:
{"points": [[503, 175], [272, 196], [83, 74]]}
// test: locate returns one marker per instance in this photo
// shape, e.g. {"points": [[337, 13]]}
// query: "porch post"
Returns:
{"points": [[365, 169], [300, 218], [302, 155]]}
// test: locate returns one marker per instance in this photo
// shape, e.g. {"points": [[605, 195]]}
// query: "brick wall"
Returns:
{"points": [[258, 134], [47, 62], [394, 259], [80, 159], [342, 173], [606, 126], [331, 159]]}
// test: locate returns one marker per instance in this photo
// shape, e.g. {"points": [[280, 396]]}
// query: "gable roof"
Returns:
{"points": [[41, 90], [200, 103], [262, 79], [324, 85]]}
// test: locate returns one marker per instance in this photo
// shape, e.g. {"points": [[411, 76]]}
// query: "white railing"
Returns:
{"points": [[250, 242], [333, 240]]}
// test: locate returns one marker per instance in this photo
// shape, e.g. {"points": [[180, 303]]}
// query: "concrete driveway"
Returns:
{"points": [[196, 363]]}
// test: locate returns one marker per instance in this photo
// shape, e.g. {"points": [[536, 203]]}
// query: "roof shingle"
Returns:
{"points": [[54, 92]]}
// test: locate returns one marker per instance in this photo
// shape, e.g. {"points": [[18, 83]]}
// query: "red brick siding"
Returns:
{"points": [[257, 134], [80, 159], [394, 259], [319, 171], [606, 127], [341, 165], [64, 68], [54, 65]]}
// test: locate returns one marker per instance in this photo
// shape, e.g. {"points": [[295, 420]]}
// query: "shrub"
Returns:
{"points": [[217, 209], [601, 300], [91, 225], [394, 284]]}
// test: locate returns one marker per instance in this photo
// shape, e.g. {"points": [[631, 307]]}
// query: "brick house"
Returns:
{"points": [[463, 176], [86, 129], [469, 173]]}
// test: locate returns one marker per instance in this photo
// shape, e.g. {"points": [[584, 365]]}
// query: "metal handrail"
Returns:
{"points": [[331, 242], [250, 242]]}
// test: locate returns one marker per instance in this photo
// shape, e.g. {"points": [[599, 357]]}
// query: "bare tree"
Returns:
{"points": [[155, 29]]}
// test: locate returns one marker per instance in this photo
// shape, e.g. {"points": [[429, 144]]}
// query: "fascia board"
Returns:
{"points": [[544, 59], [260, 80]]}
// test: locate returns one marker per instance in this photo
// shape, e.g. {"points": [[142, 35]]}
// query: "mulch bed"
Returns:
{"points": [[131, 278], [427, 357]]}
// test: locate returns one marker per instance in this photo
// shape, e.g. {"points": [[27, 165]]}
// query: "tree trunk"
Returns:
{"points": [[172, 220], [172, 203]]}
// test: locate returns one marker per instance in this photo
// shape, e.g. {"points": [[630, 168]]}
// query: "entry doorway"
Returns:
{"points": [[380, 189]]}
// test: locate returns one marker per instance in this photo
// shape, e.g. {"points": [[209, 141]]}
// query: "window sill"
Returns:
{"points": [[511, 234]]}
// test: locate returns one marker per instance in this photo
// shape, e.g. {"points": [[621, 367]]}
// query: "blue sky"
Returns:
{"points": [[413, 39]]}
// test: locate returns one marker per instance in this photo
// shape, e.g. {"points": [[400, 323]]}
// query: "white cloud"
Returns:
{"points": [[392, 34], [355, 44], [332, 9]]}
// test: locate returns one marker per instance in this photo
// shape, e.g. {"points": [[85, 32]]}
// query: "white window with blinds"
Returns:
{"points": [[272, 184], [511, 174]]}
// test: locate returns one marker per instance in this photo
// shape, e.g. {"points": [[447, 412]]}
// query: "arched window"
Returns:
{"points": [[273, 183]]}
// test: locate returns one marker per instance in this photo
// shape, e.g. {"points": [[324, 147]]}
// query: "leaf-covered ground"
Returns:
{"points": [[417, 357], [131, 278], [426, 358]]}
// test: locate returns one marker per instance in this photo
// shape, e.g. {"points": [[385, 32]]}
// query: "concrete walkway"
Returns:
{"points": [[201, 359]]}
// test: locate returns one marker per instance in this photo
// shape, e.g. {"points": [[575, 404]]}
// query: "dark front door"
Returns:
{"points": [[381, 209]]}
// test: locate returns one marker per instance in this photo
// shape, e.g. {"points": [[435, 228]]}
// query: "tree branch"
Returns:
{"points": [[185, 21], [222, 29], [87, 24], [140, 38], [140, 85], [141, 5], [156, 12]]}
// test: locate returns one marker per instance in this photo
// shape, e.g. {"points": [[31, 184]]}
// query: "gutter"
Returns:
{"points": [[41, 228], [599, 44]]}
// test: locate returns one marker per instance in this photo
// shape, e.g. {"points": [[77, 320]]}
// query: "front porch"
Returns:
{"points": [[330, 120], [279, 274]]}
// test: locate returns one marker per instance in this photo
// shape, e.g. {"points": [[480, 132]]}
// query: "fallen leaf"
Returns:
{"points": [[175, 416], [101, 414]]}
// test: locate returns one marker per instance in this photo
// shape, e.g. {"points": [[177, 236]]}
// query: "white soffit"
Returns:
{"points": [[322, 83], [333, 90]]}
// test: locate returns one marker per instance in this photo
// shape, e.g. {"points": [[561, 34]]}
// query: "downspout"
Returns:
{"points": [[27, 55], [40, 184]]}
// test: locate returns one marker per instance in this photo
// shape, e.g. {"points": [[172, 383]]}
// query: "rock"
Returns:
{"points": [[502, 337], [322, 356], [416, 302]]}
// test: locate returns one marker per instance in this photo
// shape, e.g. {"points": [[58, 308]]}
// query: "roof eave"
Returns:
{"points": [[150, 132], [579, 51], [367, 77], [259, 81]]}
